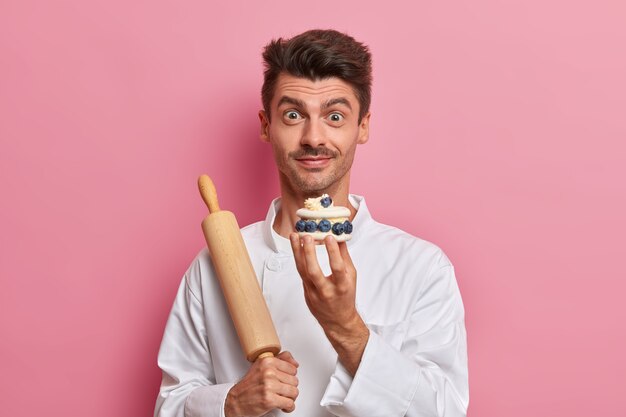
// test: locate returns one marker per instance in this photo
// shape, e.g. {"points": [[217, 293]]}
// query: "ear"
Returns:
{"points": [[364, 129], [265, 126]]}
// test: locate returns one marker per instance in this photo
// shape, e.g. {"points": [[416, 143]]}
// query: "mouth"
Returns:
{"points": [[314, 162]]}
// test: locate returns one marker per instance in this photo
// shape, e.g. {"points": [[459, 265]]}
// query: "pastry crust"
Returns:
{"points": [[321, 236]]}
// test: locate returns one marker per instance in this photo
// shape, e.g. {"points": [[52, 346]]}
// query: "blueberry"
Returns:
{"points": [[324, 226], [326, 201], [300, 226], [347, 226], [310, 226], [338, 228]]}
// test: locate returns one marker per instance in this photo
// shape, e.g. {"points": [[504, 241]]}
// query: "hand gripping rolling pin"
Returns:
{"points": [[241, 289]]}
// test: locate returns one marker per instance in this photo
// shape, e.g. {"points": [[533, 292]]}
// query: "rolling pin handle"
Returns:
{"points": [[208, 193], [265, 355]]}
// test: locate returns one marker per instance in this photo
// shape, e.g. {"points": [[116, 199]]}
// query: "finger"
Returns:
{"points": [[287, 379], [296, 248], [284, 366], [345, 255], [314, 272], [275, 400], [287, 356], [337, 265], [275, 376], [286, 405], [287, 390], [298, 254]]}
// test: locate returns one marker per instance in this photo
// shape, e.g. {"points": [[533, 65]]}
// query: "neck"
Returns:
{"points": [[292, 200]]}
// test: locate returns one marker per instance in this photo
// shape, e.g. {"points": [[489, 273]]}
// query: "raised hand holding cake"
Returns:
{"points": [[320, 218]]}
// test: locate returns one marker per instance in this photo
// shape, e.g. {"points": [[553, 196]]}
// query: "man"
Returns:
{"points": [[388, 343]]}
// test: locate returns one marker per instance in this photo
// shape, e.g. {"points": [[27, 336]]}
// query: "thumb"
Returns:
{"points": [[286, 356]]}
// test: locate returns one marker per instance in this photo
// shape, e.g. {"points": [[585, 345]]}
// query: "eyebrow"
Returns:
{"points": [[290, 100], [334, 101], [325, 105]]}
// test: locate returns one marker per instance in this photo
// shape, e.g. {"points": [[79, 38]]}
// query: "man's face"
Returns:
{"points": [[314, 130]]}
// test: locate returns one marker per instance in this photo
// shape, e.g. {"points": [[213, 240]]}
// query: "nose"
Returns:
{"points": [[313, 133]]}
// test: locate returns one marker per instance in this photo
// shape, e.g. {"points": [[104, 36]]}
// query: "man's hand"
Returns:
{"points": [[270, 383], [331, 299]]}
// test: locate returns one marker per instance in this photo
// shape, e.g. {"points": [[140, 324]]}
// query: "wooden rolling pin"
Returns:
{"points": [[239, 283]]}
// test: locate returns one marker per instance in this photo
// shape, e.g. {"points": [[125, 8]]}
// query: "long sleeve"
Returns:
{"points": [[188, 385], [416, 368]]}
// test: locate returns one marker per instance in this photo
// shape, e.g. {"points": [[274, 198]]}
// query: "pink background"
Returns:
{"points": [[498, 132]]}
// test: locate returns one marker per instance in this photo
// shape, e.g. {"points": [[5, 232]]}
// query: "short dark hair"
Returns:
{"points": [[316, 55]]}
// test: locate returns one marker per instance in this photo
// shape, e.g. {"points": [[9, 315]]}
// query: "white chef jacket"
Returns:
{"points": [[415, 360]]}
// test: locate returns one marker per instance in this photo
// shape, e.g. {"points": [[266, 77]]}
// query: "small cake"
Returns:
{"points": [[320, 218]]}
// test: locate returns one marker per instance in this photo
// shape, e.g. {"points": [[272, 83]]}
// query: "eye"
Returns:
{"points": [[335, 117], [292, 115]]}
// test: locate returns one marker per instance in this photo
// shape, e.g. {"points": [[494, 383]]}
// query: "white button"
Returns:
{"points": [[273, 264]]}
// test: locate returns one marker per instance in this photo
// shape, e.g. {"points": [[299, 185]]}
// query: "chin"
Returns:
{"points": [[314, 188], [309, 188]]}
